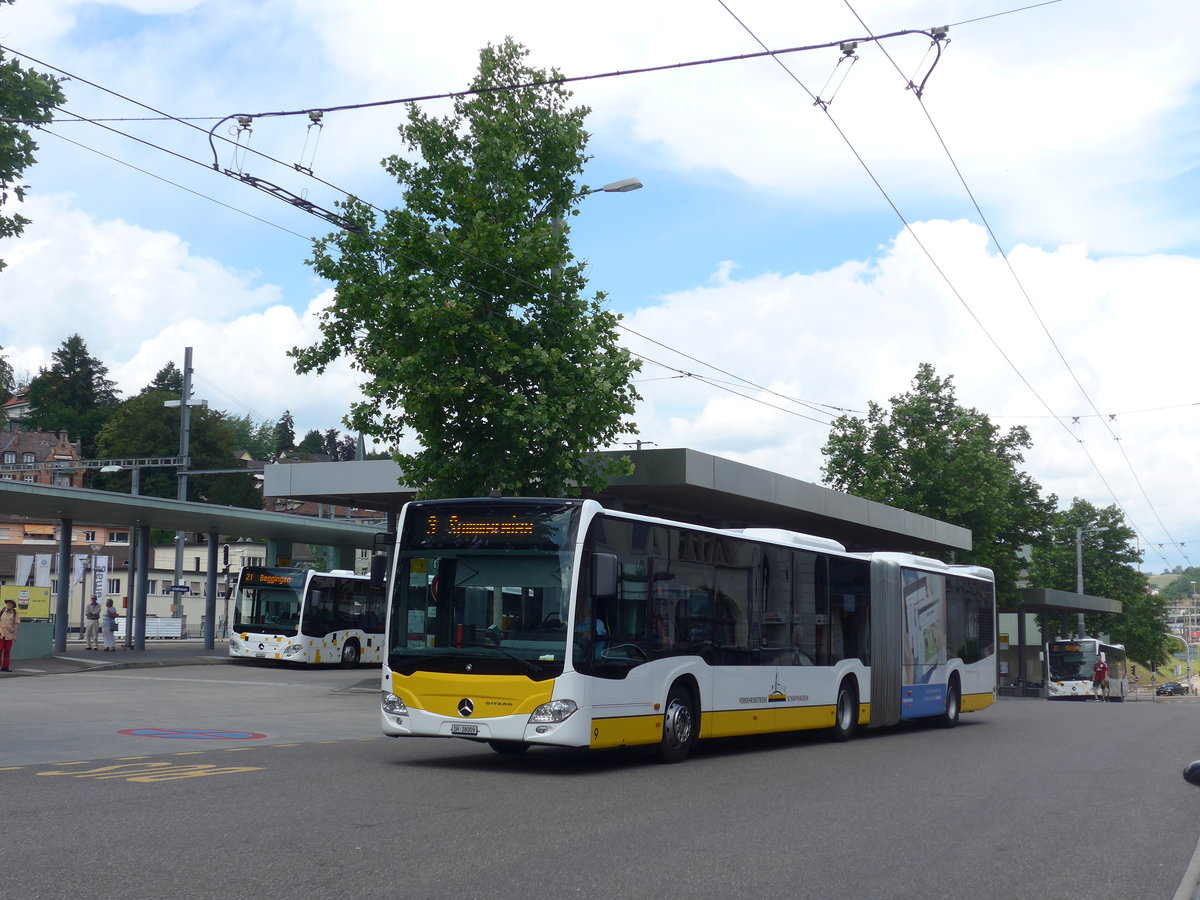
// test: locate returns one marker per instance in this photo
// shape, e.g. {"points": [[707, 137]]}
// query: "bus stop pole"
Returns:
{"points": [[210, 592]]}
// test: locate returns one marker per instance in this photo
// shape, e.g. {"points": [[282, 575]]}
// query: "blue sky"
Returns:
{"points": [[759, 246]]}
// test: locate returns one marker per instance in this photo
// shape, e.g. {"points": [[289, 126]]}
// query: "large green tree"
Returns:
{"points": [[8, 382], [27, 98], [466, 309], [1107, 562], [142, 427], [73, 395], [930, 455]]}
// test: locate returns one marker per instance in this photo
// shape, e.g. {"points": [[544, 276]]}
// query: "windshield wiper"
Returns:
{"points": [[529, 664]]}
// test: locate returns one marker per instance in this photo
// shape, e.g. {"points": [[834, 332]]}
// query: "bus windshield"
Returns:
{"points": [[507, 613], [268, 601], [1071, 660]]}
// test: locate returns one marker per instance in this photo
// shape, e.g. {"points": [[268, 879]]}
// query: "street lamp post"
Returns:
{"points": [[1187, 640], [624, 186], [1079, 533]]}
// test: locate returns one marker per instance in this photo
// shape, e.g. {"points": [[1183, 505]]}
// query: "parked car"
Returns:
{"points": [[1171, 689]]}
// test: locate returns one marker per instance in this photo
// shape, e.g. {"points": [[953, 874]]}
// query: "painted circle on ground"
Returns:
{"points": [[196, 734]]}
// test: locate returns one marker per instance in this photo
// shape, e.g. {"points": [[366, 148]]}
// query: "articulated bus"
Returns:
{"points": [[300, 616], [1069, 665], [520, 622]]}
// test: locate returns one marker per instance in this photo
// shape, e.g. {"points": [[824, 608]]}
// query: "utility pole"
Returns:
{"points": [[185, 404]]}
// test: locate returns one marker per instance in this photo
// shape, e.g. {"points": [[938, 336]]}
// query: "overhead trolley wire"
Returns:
{"points": [[1024, 293], [341, 222], [928, 255]]}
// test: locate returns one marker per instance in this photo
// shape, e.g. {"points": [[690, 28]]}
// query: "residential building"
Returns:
{"points": [[40, 457]]}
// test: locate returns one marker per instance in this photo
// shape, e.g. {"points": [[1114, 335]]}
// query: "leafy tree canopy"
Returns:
{"points": [[285, 433], [168, 379], [27, 97], [142, 426], [1107, 563], [73, 395], [930, 455], [8, 382], [465, 308]]}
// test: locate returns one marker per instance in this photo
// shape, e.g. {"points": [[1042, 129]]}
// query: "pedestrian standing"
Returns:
{"points": [[110, 625], [1100, 679], [92, 614], [10, 624]]}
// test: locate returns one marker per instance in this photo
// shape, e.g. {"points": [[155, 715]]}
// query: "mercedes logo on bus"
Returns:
{"points": [[465, 707]]}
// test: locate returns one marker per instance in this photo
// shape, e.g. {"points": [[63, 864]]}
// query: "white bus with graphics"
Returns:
{"points": [[521, 622], [301, 616]]}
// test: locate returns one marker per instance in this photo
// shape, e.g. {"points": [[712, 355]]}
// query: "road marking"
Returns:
{"points": [[147, 773], [200, 734], [196, 680]]}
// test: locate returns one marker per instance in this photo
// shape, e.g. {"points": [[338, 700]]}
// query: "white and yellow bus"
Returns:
{"points": [[1070, 664], [521, 622], [301, 616]]}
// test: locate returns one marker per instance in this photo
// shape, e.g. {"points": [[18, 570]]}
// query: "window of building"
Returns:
{"points": [[9, 457], [89, 537], [152, 586], [28, 457], [118, 537], [114, 586], [29, 478]]}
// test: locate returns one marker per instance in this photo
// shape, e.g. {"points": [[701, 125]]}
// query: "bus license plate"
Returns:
{"points": [[464, 729], [260, 655]]}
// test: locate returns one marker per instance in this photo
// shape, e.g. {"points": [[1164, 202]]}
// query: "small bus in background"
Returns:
{"points": [[302, 616], [1069, 669]]}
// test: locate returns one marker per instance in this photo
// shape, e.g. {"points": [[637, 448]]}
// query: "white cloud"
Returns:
{"points": [[1074, 131], [113, 282], [858, 333]]}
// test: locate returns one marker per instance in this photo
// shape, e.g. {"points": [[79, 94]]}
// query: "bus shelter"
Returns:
{"points": [[1046, 600]]}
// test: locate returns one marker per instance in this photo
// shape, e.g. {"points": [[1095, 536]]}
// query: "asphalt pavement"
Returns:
{"points": [[159, 652], [175, 652]]}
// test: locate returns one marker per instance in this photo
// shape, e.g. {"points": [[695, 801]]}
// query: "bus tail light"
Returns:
{"points": [[554, 711]]}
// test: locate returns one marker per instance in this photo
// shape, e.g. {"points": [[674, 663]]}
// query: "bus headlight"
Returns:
{"points": [[554, 711], [293, 649], [393, 705], [235, 644]]}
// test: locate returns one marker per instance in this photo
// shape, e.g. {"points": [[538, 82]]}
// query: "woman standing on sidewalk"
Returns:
{"points": [[110, 626], [10, 624]]}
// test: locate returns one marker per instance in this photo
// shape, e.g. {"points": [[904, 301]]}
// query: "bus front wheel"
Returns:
{"points": [[350, 654], [679, 725], [845, 713]]}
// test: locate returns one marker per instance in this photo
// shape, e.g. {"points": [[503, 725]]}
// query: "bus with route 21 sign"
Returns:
{"points": [[302, 616]]}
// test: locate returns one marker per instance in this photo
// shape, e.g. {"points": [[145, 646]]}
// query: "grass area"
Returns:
{"points": [[1164, 673]]}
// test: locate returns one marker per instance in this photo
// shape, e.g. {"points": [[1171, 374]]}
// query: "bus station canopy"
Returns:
{"points": [[85, 506], [1045, 600], [672, 483]]}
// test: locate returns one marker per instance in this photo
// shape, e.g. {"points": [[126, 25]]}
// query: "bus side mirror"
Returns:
{"points": [[606, 571], [378, 571]]}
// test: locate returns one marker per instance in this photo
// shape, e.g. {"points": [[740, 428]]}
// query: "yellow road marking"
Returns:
{"points": [[147, 773]]}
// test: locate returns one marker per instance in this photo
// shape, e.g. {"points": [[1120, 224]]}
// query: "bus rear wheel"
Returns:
{"points": [[350, 654], [953, 704], [679, 726], [845, 712]]}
